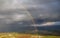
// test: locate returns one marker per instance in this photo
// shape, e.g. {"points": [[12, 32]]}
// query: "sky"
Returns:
{"points": [[19, 10]]}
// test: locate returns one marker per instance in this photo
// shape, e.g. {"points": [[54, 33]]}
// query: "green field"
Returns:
{"points": [[51, 37]]}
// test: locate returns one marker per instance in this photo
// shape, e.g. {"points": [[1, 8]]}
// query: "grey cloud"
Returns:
{"points": [[37, 8]]}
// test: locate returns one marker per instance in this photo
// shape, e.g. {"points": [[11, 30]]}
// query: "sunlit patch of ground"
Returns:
{"points": [[18, 35]]}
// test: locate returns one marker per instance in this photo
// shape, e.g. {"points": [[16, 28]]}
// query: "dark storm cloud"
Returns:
{"points": [[44, 9], [13, 10]]}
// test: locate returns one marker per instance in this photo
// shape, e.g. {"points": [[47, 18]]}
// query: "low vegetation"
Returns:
{"points": [[21, 35]]}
